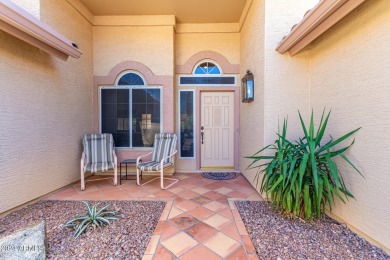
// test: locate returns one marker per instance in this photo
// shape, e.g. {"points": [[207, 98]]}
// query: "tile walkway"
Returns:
{"points": [[199, 221]]}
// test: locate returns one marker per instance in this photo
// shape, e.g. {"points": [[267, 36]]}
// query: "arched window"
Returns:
{"points": [[207, 68], [130, 79], [207, 73], [131, 111]]}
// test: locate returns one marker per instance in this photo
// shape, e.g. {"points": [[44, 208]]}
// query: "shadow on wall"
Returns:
{"points": [[19, 49]]}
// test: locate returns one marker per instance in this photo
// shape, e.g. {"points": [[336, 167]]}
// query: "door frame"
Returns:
{"points": [[236, 92]]}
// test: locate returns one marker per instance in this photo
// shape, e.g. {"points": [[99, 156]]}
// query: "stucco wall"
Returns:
{"points": [[31, 6], [45, 108], [349, 68], [252, 58], [282, 83], [188, 44], [146, 49], [149, 45], [286, 79]]}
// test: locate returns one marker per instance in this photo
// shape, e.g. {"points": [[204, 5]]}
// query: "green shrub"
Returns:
{"points": [[94, 219], [301, 178]]}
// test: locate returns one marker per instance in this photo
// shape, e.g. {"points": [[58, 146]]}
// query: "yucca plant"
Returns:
{"points": [[94, 219], [301, 178]]}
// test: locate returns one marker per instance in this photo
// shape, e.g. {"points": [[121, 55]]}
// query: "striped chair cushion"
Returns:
{"points": [[98, 167], [164, 145], [153, 166], [98, 152]]}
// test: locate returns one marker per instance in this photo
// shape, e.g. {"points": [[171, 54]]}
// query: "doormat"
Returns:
{"points": [[220, 175]]}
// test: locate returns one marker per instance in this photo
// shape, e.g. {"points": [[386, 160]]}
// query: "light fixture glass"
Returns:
{"points": [[248, 87]]}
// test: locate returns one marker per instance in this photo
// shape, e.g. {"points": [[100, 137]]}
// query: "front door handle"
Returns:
{"points": [[201, 134]]}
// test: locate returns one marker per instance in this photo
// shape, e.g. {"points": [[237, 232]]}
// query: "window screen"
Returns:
{"points": [[115, 115], [131, 115], [145, 117]]}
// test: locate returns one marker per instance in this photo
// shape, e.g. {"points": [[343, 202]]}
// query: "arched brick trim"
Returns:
{"points": [[165, 81], [226, 66], [149, 76]]}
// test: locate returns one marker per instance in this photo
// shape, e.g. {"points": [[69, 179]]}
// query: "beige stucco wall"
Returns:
{"points": [[252, 58], [149, 45], [45, 108], [118, 40], [349, 67], [226, 44], [31, 6], [286, 79], [282, 83]]}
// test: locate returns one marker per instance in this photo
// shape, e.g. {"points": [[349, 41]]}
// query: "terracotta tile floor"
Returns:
{"points": [[199, 221]]}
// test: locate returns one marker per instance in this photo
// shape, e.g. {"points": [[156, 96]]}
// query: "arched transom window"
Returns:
{"points": [[207, 73], [130, 79], [207, 68]]}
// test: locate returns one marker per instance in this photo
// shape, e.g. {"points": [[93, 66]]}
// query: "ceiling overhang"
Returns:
{"points": [[132, 18], [185, 11]]}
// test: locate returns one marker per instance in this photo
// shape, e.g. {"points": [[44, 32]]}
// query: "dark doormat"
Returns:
{"points": [[220, 175]]}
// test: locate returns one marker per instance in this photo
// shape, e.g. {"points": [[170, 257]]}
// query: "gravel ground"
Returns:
{"points": [[125, 238], [276, 237]]}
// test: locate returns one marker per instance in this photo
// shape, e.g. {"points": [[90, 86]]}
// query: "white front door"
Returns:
{"points": [[217, 130]]}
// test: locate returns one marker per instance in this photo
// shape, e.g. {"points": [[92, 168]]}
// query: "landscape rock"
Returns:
{"points": [[276, 237], [133, 232], [28, 243]]}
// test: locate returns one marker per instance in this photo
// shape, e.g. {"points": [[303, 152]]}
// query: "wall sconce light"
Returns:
{"points": [[247, 84]]}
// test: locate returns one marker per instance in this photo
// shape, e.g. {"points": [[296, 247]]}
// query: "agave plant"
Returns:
{"points": [[301, 178], [94, 219]]}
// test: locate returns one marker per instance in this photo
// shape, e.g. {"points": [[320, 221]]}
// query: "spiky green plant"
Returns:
{"points": [[301, 178], [94, 219]]}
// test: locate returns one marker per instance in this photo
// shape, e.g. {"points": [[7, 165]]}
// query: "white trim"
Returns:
{"points": [[193, 75], [130, 116], [208, 76], [210, 61], [120, 75], [316, 22], [130, 88], [19, 23], [193, 122]]}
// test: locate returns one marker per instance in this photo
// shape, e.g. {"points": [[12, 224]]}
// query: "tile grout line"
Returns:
{"points": [[220, 194]]}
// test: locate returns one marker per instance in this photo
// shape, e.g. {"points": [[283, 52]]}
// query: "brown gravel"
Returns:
{"points": [[276, 237], [125, 238]]}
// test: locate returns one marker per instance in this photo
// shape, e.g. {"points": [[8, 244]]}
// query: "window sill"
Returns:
{"points": [[186, 158], [317, 21], [19, 23]]}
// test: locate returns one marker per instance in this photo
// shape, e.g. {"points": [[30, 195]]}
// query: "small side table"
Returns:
{"points": [[126, 162]]}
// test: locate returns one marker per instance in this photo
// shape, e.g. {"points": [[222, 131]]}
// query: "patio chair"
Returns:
{"points": [[98, 156], [163, 157]]}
